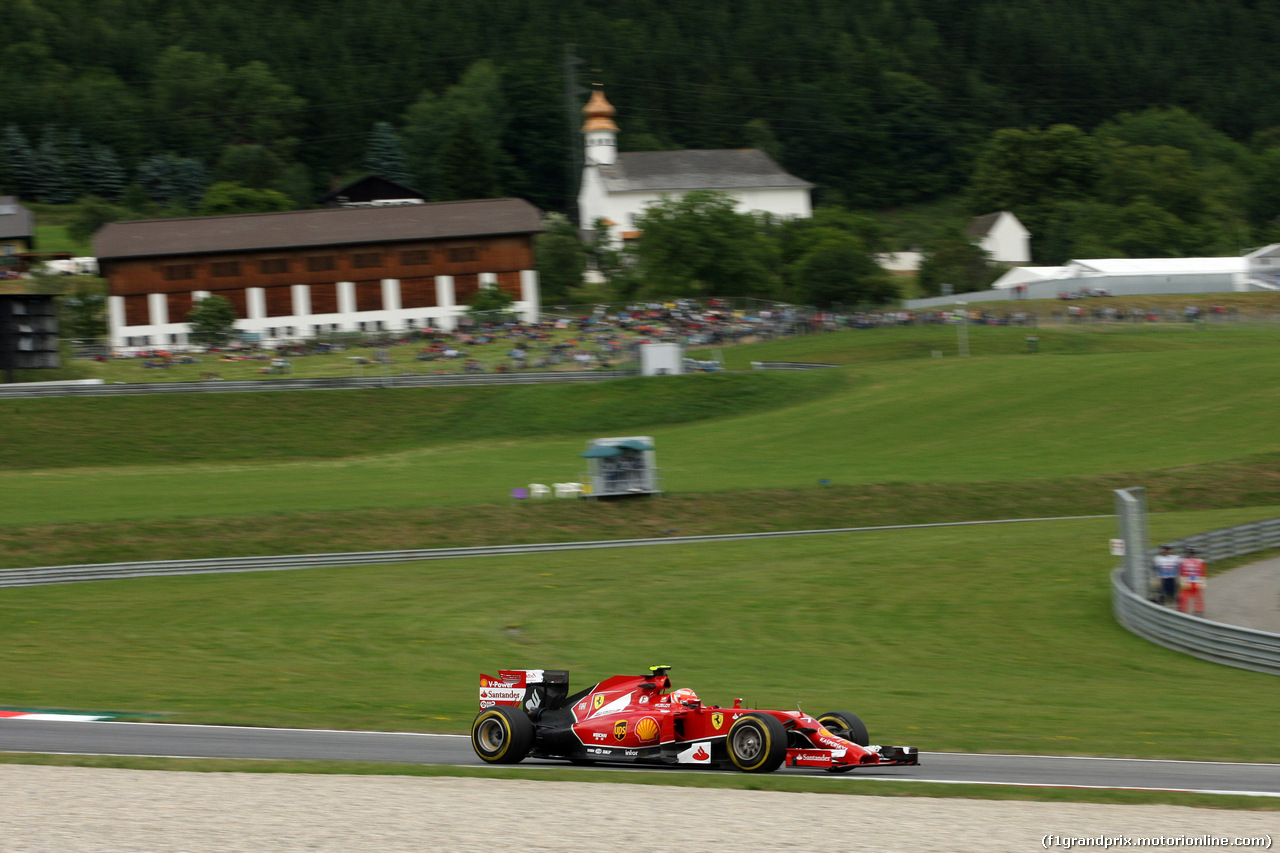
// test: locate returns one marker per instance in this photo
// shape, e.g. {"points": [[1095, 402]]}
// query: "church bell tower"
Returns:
{"points": [[599, 131]]}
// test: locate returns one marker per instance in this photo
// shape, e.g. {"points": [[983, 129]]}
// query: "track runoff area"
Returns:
{"points": [[33, 731]]}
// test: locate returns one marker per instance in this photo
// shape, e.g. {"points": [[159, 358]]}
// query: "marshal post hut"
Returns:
{"points": [[619, 467]]}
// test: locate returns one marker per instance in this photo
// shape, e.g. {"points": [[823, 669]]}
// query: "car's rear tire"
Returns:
{"points": [[502, 734], [846, 725], [756, 743]]}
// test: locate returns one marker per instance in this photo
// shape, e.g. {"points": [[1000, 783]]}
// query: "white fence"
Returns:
{"points": [[329, 384]]}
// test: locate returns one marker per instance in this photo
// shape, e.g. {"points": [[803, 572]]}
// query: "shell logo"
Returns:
{"points": [[647, 729]]}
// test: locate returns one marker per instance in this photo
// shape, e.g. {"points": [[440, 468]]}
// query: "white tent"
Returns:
{"points": [[1027, 275]]}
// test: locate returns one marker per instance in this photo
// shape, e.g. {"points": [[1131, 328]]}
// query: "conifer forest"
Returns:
{"points": [[1110, 126]]}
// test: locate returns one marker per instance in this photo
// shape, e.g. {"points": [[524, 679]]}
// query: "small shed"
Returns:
{"points": [[619, 467], [661, 359]]}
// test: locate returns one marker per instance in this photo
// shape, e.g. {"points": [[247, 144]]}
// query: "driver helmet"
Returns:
{"points": [[684, 695]]}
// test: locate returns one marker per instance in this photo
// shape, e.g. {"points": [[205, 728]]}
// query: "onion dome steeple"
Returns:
{"points": [[601, 134]]}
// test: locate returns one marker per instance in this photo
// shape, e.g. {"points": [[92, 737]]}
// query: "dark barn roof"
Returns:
{"points": [[369, 188], [722, 169], [980, 226], [301, 229]]}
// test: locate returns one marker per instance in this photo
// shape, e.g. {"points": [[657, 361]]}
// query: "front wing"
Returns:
{"points": [[837, 760]]}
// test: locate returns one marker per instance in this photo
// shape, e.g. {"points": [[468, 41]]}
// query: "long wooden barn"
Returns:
{"points": [[308, 272]]}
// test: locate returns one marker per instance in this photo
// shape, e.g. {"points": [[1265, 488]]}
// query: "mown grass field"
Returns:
{"points": [[978, 638]]}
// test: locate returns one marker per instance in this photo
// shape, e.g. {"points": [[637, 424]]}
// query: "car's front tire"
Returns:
{"points": [[502, 735], [756, 743], [846, 725]]}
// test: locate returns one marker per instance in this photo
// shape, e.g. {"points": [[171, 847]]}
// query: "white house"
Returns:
{"points": [[1002, 237], [617, 187]]}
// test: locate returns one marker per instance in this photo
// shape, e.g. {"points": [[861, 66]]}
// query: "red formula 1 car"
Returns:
{"points": [[529, 713]]}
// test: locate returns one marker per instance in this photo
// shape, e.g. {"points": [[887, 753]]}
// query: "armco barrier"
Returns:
{"points": [[330, 384], [1213, 641], [789, 365]]}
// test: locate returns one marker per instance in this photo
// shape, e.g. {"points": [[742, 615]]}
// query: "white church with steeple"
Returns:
{"points": [[618, 187]]}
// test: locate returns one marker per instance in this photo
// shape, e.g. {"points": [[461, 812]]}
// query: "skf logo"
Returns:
{"points": [[620, 729], [647, 729], [717, 720], [597, 701]]}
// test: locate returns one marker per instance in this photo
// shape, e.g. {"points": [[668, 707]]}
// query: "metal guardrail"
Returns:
{"points": [[1232, 645], [329, 384], [789, 365], [41, 575]]}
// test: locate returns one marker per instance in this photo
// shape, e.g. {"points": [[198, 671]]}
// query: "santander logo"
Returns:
{"points": [[701, 754]]}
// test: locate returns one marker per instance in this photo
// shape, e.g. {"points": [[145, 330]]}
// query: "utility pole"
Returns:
{"points": [[573, 93], [962, 330], [7, 345]]}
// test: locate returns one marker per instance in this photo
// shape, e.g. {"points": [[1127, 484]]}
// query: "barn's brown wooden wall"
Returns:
{"points": [[505, 256]]}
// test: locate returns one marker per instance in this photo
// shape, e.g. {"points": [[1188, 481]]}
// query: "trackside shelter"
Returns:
{"points": [[621, 467]]}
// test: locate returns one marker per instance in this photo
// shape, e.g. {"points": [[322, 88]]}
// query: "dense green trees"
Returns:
{"points": [[226, 198], [560, 257], [828, 260], [385, 156], [953, 260], [699, 245], [879, 104], [212, 320], [1155, 183]]}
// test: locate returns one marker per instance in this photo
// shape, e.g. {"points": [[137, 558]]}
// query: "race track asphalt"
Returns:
{"points": [[170, 740]]}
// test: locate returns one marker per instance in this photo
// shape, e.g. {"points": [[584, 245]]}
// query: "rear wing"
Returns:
{"points": [[530, 689]]}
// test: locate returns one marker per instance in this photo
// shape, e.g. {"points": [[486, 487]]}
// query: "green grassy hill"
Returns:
{"points": [[1174, 400]]}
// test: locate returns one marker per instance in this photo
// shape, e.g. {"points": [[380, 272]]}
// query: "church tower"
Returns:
{"points": [[599, 131]]}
